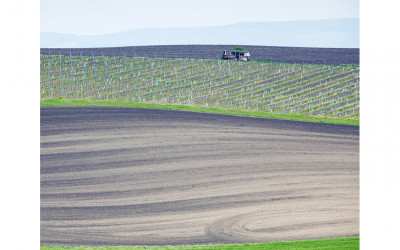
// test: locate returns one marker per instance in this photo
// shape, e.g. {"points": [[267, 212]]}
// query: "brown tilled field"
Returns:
{"points": [[331, 56], [123, 176]]}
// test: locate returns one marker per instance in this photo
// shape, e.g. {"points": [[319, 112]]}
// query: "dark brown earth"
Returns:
{"points": [[333, 56], [124, 176]]}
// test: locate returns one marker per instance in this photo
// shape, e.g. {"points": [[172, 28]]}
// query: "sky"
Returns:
{"points": [[95, 17]]}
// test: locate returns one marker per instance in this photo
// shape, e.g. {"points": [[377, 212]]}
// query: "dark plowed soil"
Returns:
{"points": [[333, 56], [124, 176]]}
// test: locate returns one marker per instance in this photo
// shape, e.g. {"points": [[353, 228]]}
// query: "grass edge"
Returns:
{"points": [[335, 243], [194, 108]]}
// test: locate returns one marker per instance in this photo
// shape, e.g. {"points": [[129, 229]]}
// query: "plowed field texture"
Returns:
{"points": [[304, 89]]}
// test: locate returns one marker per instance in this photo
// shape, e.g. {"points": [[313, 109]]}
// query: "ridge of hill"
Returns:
{"points": [[329, 33]]}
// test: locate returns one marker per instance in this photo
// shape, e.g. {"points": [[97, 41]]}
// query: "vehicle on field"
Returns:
{"points": [[239, 55]]}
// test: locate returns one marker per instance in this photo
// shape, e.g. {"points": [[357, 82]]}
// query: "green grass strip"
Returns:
{"points": [[339, 243], [241, 112]]}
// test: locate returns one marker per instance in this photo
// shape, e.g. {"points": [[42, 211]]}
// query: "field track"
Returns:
{"points": [[125, 176]]}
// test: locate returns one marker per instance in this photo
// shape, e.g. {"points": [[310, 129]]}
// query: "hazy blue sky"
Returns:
{"points": [[90, 17]]}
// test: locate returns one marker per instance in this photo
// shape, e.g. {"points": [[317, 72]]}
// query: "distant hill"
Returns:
{"points": [[334, 33]]}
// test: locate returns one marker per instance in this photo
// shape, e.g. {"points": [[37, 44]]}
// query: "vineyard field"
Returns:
{"points": [[305, 89]]}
